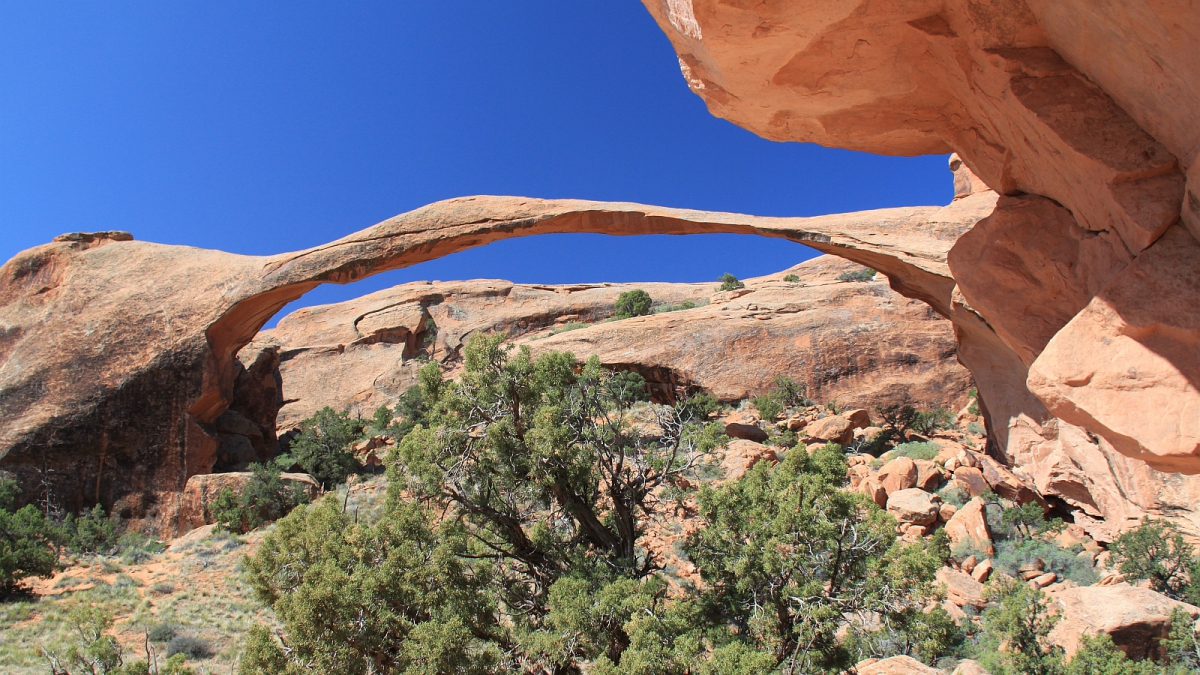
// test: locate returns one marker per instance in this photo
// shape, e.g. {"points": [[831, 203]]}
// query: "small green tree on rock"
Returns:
{"points": [[633, 303], [729, 283]]}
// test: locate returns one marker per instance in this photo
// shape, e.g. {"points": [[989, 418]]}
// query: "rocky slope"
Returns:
{"points": [[858, 343]]}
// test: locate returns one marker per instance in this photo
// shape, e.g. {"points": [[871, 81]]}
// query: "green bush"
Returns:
{"points": [[633, 303], [412, 406], [860, 275], [510, 538], [791, 278], [190, 646], [790, 392], [921, 450], [902, 418], [686, 304], [1157, 552], [774, 537], [27, 541], [729, 283], [264, 499], [162, 632], [768, 405], [1012, 555], [91, 532], [321, 448]]}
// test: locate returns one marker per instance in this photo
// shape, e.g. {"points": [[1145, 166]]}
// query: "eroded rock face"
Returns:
{"points": [[893, 350], [1082, 113]]}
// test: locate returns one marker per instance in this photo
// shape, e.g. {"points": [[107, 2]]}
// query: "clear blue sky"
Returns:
{"points": [[271, 126]]}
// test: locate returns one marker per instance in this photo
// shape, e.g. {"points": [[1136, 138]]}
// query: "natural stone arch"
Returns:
{"points": [[118, 355]]}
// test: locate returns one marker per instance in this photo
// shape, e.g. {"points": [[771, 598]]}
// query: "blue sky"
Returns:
{"points": [[264, 127]]}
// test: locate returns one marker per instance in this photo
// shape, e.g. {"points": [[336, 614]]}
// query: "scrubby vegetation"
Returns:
{"points": [[729, 282], [791, 278], [859, 275], [633, 303], [512, 542], [914, 450], [686, 304], [1156, 552], [264, 499], [322, 447]]}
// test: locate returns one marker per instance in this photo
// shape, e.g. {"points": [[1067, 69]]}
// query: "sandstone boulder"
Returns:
{"points": [[973, 479], [745, 432], [832, 429], [874, 491], [859, 418], [912, 506], [1135, 618], [741, 455], [969, 667], [899, 474], [961, 589], [969, 526], [897, 665], [928, 475], [982, 571]]}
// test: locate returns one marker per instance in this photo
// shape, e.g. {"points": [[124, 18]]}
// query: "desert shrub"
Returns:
{"points": [[510, 536], [790, 392], [1182, 645], [27, 541], [1012, 555], [162, 588], [191, 646], [791, 278], [412, 406], [729, 283], [135, 547], [162, 632], [1157, 552], [381, 420], [90, 532], [789, 560], [321, 448], [955, 496], [859, 275], [633, 303], [921, 450], [902, 418], [768, 405], [686, 304], [264, 499]]}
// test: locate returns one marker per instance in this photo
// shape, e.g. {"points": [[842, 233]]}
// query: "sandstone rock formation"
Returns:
{"points": [[362, 353], [1073, 298], [1135, 618], [897, 665], [118, 357], [1082, 115]]}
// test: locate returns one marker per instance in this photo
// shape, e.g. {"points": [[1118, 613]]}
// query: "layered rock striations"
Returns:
{"points": [[1082, 114], [858, 343]]}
